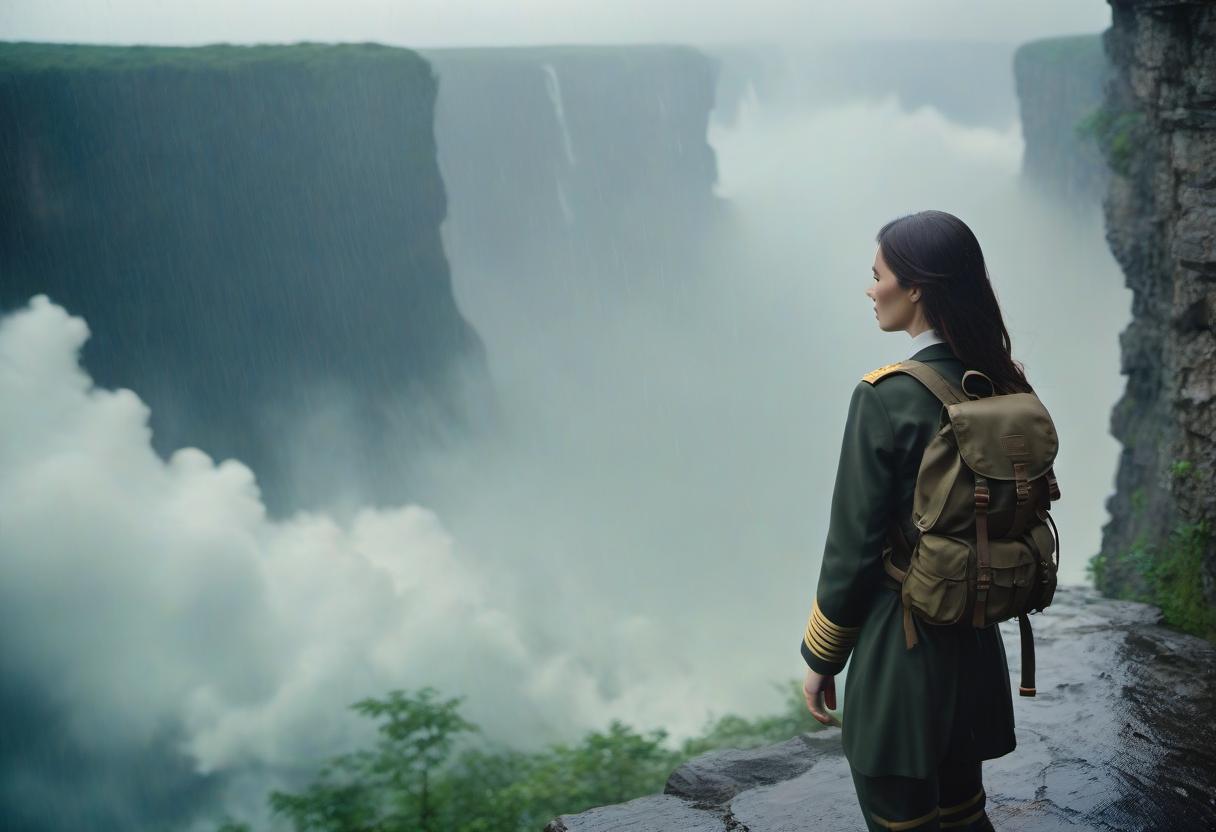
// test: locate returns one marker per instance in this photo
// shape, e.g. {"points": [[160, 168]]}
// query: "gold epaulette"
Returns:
{"points": [[884, 370]]}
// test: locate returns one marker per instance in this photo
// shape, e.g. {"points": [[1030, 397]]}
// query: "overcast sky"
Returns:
{"points": [[429, 23]]}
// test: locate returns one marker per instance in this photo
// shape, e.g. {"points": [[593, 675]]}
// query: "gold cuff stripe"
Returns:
{"points": [[827, 623], [827, 639], [904, 824], [951, 824], [830, 643], [946, 810], [828, 654]]}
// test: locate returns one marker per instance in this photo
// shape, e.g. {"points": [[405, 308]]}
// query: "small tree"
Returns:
{"points": [[390, 788]]}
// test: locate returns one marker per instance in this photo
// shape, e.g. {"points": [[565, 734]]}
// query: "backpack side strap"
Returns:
{"points": [[1026, 688], [899, 544]]}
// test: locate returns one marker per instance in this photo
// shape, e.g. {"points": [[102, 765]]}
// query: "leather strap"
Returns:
{"points": [[1053, 487], [1057, 534], [909, 628], [946, 392], [1027, 502], [1022, 482], [1026, 688], [983, 576], [1046, 517], [896, 538], [894, 571], [898, 545]]}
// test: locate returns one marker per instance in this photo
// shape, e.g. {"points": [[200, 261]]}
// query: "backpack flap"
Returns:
{"points": [[994, 434]]}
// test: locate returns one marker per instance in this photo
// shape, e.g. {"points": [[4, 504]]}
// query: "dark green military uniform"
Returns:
{"points": [[946, 701]]}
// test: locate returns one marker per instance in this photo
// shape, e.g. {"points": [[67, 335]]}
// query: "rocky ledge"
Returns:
{"points": [[1120, 737]]}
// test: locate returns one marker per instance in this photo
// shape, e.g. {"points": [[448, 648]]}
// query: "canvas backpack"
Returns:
{"points": [[981, 551]]}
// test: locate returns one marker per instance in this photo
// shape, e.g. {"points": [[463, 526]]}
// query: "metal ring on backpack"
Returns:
{"points": [[970, 373]]}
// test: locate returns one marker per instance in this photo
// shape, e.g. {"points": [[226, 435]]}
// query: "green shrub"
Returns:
{"points": [[1176, 579], [1181, 468], [1119, 135]]}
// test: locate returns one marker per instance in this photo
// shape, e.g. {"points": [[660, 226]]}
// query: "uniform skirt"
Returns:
{"points": [[946, 699]]}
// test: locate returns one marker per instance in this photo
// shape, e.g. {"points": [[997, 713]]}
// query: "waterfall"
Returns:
{"points": [[553, 87]]}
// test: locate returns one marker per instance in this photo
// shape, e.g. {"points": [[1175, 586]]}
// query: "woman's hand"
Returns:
{"points": [[817, 685]]}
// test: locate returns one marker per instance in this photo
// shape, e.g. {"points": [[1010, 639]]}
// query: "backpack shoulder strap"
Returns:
{"points": [[946, 392]]}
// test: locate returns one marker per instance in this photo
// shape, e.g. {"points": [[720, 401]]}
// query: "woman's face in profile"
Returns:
{"points": [[893, 305]]}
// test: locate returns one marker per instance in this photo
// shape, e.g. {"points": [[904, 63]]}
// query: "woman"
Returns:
{"points": [[920, 720]]}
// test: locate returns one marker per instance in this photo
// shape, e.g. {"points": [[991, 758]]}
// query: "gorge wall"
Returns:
{"points": [[579, 179], [1060, 83], [1158, 131], [253, 237]]}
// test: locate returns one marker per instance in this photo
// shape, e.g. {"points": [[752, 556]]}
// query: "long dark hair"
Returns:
{"points": [[937, 252]]}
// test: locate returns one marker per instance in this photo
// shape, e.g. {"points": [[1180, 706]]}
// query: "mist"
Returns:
{"points": [[641, 538]]}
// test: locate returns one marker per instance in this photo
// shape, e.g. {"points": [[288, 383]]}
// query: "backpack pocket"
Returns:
{"points": [[1013, 565], [1045, 581], [936, 585]]}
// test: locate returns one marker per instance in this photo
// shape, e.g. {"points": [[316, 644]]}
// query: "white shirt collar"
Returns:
{"points": [[929, 336]]}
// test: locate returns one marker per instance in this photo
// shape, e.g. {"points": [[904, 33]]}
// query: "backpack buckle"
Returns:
{"points": [[981, 496]]}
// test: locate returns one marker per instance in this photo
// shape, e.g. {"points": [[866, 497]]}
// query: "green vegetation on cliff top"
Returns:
{"points": [[1075, 50], [35, 57]]}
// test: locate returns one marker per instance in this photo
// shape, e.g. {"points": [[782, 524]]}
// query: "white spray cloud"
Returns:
{"points": [[141, 593]]}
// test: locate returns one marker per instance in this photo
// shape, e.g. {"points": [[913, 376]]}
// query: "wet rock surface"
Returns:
{"points": [[1120, 737]]}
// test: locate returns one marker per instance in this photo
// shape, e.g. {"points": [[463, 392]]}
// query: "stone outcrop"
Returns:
{"points": [[1159, 133], [1119, 737]]}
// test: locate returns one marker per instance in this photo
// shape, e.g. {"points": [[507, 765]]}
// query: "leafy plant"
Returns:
{"points": [[392, 786], [1176, 580], [1181, 468], [1120, 135]]}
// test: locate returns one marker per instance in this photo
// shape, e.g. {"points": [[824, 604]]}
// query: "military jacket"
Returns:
{"points": [[905, 710]]}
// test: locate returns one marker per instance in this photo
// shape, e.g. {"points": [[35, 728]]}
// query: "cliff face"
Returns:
{"points": [[1158, 129], [1060, 83], [252, 235], [578, 178]]}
